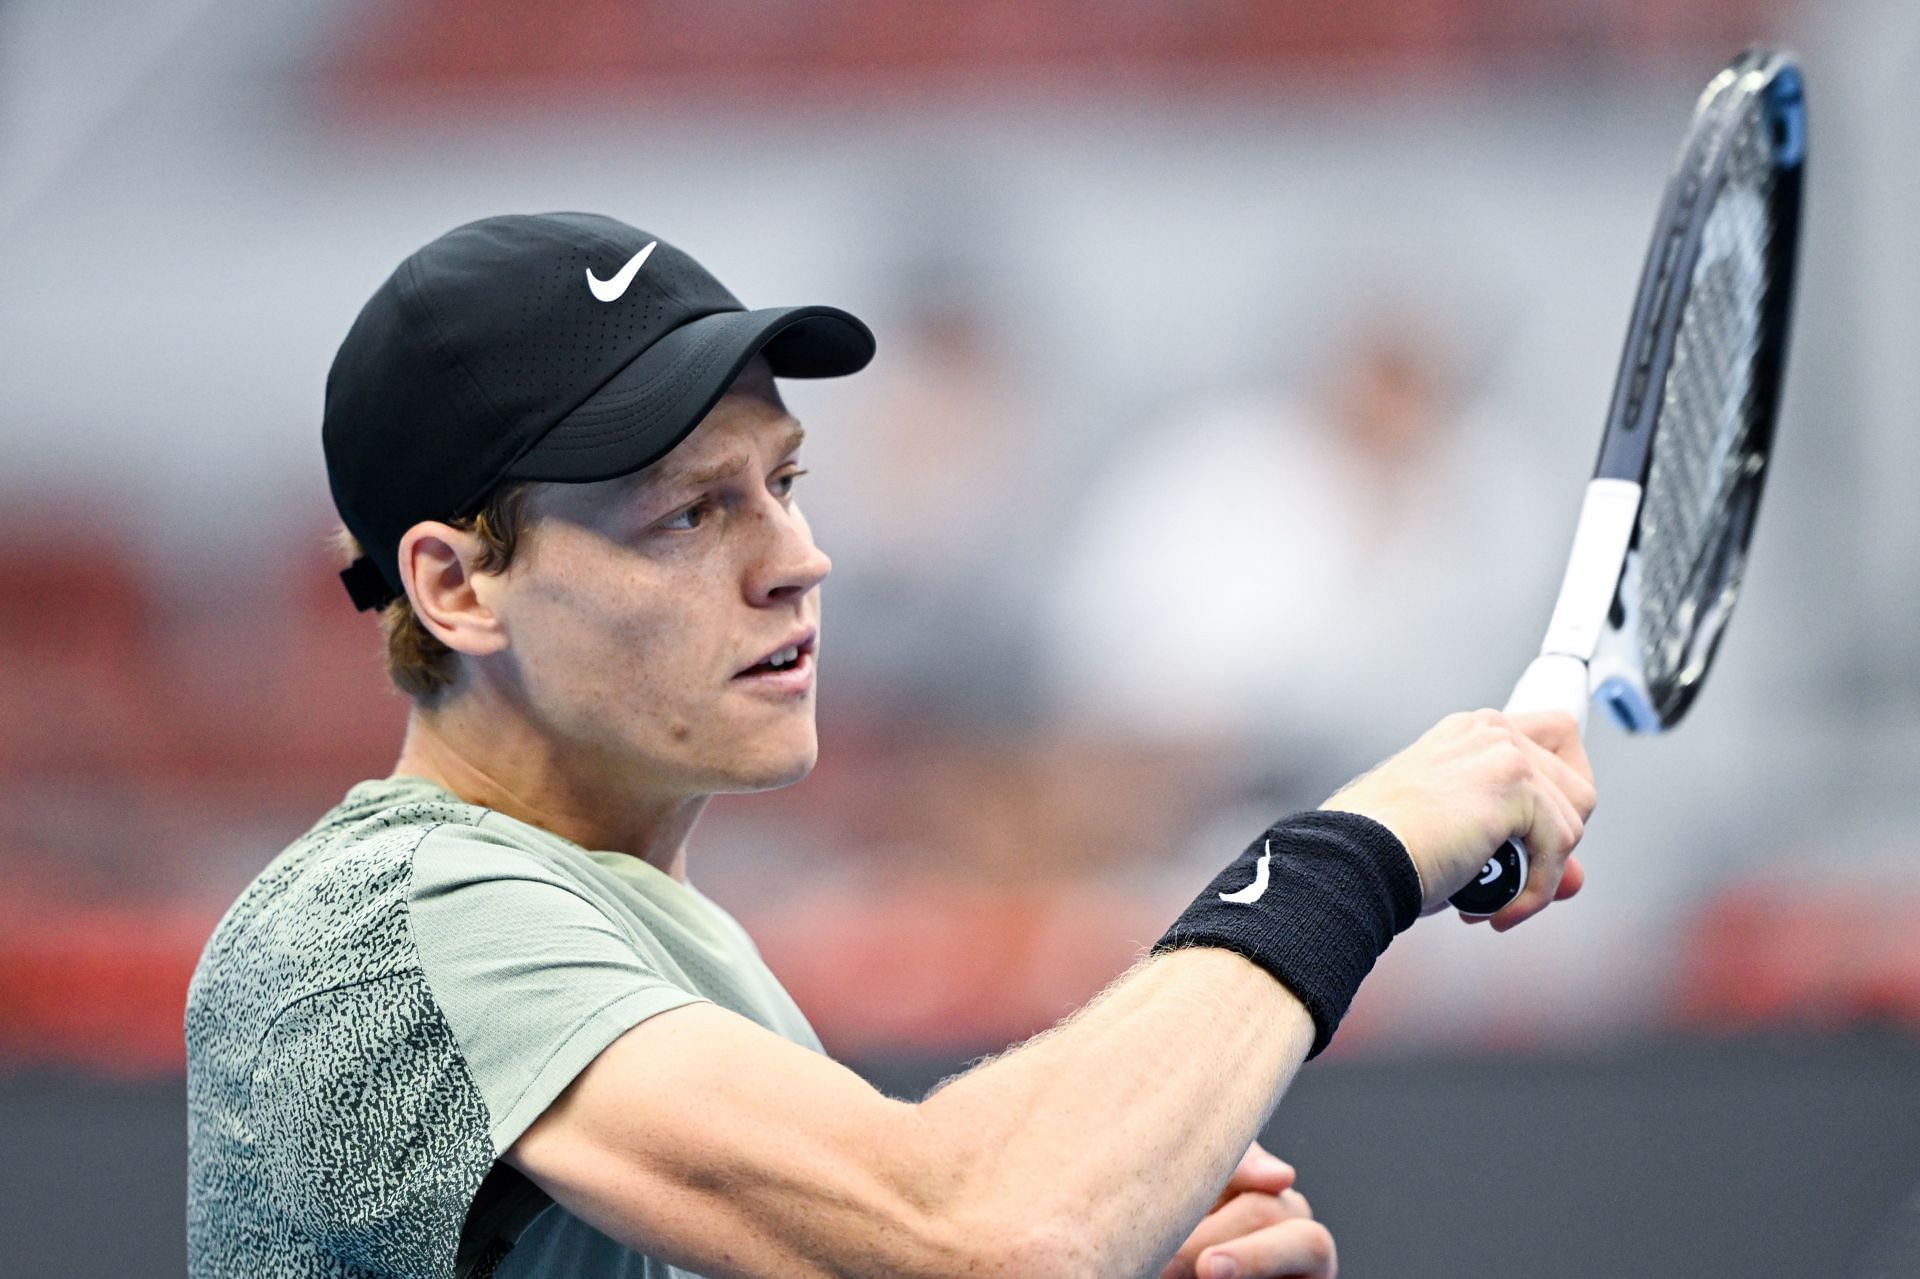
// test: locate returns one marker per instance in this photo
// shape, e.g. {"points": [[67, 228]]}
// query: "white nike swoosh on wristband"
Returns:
{"points": [[612, 290], [1254, 891]]}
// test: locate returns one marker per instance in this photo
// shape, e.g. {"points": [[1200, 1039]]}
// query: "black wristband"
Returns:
{"points": [[1314, 901]]}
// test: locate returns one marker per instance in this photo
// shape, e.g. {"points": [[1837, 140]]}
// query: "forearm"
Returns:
{"points": [[1110, 1135], [1101, 1142]]}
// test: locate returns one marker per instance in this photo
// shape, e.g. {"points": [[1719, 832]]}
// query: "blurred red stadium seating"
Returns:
{"points": [[407, 50], [936, 963], [1802, 951], [76, 631], [102, 986]]}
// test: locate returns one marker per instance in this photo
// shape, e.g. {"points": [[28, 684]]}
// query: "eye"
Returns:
{"points": [[687, 520], [783, 482]]}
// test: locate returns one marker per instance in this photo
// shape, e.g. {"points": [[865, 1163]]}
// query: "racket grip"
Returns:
{"points": [[1552, 682], [1498, 882]]}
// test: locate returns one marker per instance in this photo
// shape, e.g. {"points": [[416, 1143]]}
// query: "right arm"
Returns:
{"points": [[703, 1139]]}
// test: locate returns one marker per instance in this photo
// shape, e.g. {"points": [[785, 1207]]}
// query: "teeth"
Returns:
{"points": [[786, 656]]}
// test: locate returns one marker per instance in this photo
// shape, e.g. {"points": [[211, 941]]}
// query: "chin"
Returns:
{"points": [[770, 779], [775, 765]]}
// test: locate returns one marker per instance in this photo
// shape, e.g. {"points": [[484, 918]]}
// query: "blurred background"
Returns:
{"points": [[1240, 364]]}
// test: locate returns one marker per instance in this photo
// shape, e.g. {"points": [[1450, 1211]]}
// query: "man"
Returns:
{"points": [[479, 1022]]}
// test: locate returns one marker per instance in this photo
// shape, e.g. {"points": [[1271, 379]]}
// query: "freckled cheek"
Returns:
{"points": [[590, 642], [643, 662], [641, 655], [656, 664]]}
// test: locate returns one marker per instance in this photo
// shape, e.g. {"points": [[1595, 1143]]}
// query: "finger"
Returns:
{"points": [[1557, 825], [1248, 1213], [1551, 830], [1241, 1216], [1578, 790], [1293, 1248], [1555, 835], [1569, 781], [1558, 732], [1259, 1170], [1573, 877], [1550, 841]]}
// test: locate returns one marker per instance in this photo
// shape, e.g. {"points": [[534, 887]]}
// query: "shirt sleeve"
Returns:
{"points": [[534, 975]]}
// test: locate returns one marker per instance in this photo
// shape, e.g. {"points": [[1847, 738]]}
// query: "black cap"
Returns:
{"points": [[562, 346]]}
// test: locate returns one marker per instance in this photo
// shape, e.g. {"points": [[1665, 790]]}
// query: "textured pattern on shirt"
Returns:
{"points": [[333, 1128]]}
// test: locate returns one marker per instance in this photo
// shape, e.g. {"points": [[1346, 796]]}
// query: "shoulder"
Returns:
{"points": [[481, 844], [329, 911], [326, 1094]]}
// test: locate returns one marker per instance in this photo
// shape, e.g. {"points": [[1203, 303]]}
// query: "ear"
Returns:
{"points": [[436, 570]]}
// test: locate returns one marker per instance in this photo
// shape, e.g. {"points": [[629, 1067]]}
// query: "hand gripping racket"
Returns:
{"points": [[1662, 537]]}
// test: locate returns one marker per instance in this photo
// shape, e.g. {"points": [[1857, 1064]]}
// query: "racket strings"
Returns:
{"points": [[1704, 469]]}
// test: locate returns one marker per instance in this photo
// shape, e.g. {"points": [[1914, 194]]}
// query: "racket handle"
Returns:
{"points": [[1498, 882], [1553, 681]]}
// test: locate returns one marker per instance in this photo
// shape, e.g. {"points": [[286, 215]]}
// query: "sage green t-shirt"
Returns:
{"points": [[392, 1002]]}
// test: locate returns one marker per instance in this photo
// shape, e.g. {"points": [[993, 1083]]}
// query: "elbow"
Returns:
{"points": [[1012, 1244], [964, 1212], [1052, 1250]]}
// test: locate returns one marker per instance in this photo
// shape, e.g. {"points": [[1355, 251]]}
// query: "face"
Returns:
{"points": [[641, 611]]}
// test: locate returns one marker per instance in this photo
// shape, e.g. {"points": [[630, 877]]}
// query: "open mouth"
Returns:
{"points": [[783, 659]]}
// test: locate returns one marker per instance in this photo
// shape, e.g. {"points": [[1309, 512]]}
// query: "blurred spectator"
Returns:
{"points": [[1318, 570], [922, 495]]}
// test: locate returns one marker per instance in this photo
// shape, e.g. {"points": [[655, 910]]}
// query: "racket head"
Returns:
{"points": [[1697, 398]]}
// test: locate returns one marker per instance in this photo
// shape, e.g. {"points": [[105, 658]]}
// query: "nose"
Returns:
{"points": [[790, 564]]}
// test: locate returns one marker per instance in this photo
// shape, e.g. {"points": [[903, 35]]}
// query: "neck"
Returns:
{"points": [[499, 761]]}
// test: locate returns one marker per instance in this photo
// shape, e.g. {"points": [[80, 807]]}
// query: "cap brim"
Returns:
{"points": [[657, 399]]}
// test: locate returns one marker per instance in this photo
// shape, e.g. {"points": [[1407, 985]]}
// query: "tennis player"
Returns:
{"points": [[478, 1021]]}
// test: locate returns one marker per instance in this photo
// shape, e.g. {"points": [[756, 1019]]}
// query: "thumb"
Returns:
{"points": [[1219, 1263], [1259, 1171], [1297, 1247]]}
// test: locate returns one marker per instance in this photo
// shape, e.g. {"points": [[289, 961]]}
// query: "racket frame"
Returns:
{"points": [[1591, 648], [1626, 446]]}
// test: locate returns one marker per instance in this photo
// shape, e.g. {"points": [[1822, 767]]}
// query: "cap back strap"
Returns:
{"points": [[366, 586]]}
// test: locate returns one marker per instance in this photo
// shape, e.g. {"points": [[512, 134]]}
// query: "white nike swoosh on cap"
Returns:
{"points": [[1257, 889], [611, 290]]}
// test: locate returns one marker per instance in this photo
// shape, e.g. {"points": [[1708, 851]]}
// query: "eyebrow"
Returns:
{"points": [[724, 468]]}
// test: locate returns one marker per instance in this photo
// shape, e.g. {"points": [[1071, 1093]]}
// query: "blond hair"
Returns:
{"points": [[418, 664]]}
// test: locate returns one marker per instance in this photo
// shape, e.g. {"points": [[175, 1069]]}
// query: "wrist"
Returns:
{"points": [[1419, 876], [1406, 847], [1314, 902]]}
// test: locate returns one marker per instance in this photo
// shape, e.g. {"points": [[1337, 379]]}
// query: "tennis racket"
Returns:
{"points": [[1662, 537]]}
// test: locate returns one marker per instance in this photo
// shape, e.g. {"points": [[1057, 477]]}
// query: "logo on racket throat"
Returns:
{"points": [[1257, 889]]}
